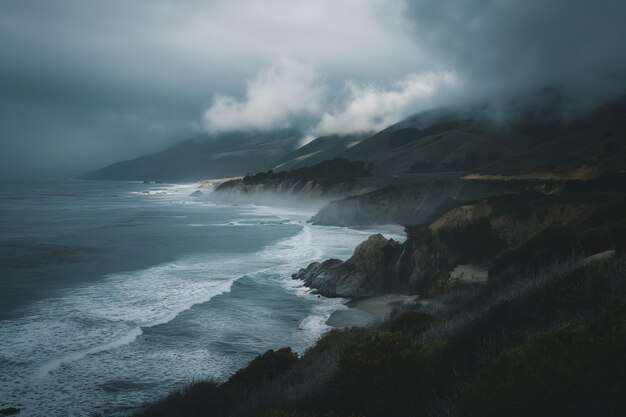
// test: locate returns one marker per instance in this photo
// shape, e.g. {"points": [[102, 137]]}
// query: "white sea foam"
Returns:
{"points": [[49, 366], [316, 321], [107, 314]]}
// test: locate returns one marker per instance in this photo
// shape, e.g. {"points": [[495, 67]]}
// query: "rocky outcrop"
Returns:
{"points": [[366, 273], [463, 244]]}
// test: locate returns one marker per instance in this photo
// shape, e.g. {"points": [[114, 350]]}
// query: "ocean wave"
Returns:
{"points": [[99, 331]]}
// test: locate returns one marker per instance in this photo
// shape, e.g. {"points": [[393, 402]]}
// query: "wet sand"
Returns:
{"points": [[368, 310]]}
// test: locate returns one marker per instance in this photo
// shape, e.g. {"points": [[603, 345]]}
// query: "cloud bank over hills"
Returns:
{"points": [[278, 94], [291, 93]]}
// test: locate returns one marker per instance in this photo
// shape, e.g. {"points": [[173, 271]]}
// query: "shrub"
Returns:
{"points": [[476, 241], [263, 368], [198, 399], [410, 323], [385, 375], [576, 370]]}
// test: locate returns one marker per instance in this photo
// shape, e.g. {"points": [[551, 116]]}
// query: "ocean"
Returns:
{"points": [[113, 294]]}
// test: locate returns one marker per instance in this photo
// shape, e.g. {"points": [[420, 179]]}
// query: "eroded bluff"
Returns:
{"points": [[469, 242]]}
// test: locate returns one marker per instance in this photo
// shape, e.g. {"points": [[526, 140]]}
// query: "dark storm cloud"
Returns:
{"points": [[502, 53], [85, 83], [501, 47], [90, 82]]}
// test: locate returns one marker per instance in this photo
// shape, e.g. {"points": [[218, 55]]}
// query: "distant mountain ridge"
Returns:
{"points": [[224, 155], [436, 141], [324, 148]]}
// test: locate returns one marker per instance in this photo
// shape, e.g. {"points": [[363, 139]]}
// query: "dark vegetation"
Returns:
{"points": [[595, 139], [462, 240], [326, 173], [466, 162], [324, 148], [405, 136]]}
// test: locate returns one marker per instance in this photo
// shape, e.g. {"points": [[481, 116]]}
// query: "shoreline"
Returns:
{"points": [[367, 311]]}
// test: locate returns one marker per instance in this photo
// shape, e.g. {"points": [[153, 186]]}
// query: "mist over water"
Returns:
{"points": [[115, 294]]}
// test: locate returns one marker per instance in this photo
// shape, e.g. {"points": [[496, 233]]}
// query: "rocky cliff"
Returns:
{"points": [[316, 184], [290, 191], [368, 272], [466, 242], [414, 203]]}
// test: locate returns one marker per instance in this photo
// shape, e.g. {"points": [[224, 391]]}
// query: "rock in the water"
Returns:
{"points": [[196, 193], [11, 411]]}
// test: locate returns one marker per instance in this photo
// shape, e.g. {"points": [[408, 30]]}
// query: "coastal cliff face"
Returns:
{"points": [[462, 245], [411, 204], [319, 183], [267, 192]]}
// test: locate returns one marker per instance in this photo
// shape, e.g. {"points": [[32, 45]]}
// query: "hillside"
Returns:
{"points": [[447, 140], [436, 141], [225, 155], [320, 149], [596, 139], [313, 185]]}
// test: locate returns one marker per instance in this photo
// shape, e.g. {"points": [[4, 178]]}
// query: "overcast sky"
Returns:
{"points": [[87, 82]]}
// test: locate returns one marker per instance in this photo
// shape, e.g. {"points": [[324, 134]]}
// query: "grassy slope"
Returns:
{"points": [[226, 155], [452, 143], [318, 150], [595, 139]]}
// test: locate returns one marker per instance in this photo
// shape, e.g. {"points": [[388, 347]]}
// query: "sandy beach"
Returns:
{"points": [[369, 310]]}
